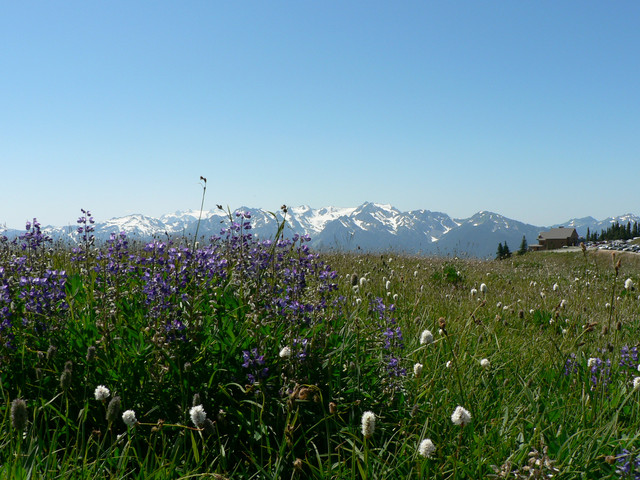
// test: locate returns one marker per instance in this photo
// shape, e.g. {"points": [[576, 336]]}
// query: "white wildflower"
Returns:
{"points": [[474, 292], [395, 297], [101, 393], [388, 284], [448, 364], [426, 448], [555, 287], [129, 418], [591, 362], [483, 288], [285, 352], [417, 369], [636, 383], [628, 284], [426, 337], [461, 416], [198, 415], [484, 363], [368, 424]]}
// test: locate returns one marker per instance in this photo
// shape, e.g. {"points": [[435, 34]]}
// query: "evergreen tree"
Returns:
{"points": [[500, 252], [506, 251], [588, 235], [523, 246]]}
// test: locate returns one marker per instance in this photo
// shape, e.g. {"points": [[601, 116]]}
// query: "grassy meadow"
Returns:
{"points": [[243, 359]]}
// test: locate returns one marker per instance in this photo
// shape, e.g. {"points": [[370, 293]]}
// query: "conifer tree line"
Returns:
{"points": [[615, 232]]}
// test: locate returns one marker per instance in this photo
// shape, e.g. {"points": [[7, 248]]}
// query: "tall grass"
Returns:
{"points": [[284, 350]]}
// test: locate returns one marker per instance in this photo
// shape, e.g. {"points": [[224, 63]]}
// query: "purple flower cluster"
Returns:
{"points": [[628, 465], [254, 363], [392, 339], [601, 373], [571, 365], [629, 357]]}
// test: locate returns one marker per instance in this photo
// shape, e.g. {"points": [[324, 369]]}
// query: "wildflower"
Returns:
{"points": [[483, 288], [592, 362], [388, 284], [448, 364], [636, 383], [555, 287], [563, 303], [417, 369], [129, 418], [628, 284], [198, 415], [19, 414], [426, 448], [461, 416], [474, 292], [484, 363], [395, 297], [368, 424], [285, 352], [101, 393], [426, 337]]}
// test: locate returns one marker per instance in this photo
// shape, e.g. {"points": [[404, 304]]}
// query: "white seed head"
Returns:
{"points": [[101, 393], [426, 337], [285, 352], [368, 424], [129, 418], [461, 416], [198, 415], [426, 448]]}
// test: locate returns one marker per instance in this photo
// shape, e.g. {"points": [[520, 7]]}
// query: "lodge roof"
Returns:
{"points": [[558, 233]]}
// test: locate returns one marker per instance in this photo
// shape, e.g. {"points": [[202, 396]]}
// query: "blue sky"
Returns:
{"points": [[530, 109]]}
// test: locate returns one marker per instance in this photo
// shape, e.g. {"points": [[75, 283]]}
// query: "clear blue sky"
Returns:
{"points": [[527, 108]]}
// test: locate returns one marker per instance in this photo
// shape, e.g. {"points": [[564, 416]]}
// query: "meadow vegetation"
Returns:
{"points": [[240, 358]]}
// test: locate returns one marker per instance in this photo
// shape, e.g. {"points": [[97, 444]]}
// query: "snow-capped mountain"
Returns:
{"points": [[369, 227], [581, 224]]}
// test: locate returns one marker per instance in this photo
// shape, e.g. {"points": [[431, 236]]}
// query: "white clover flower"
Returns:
{"points": [[484, 363], [636, 383], [101, 393], [426, 448], [368, 424], [564, 331], [628, 284], [129, 418], [285, 352], [426, 337], [483, 288], [461, 416], [198, 415], [417, 369]]}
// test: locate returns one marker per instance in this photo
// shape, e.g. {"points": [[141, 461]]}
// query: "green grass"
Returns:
{"points": [[302, 418]]}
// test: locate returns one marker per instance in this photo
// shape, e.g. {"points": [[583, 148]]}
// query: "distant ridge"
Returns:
{"points": [[370, 227]]}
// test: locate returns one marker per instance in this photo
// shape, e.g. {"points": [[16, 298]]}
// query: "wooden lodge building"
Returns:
{"points": [[556, 238]]}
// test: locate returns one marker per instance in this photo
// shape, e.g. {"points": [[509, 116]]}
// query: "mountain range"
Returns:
{"points": [[370, 227]]}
